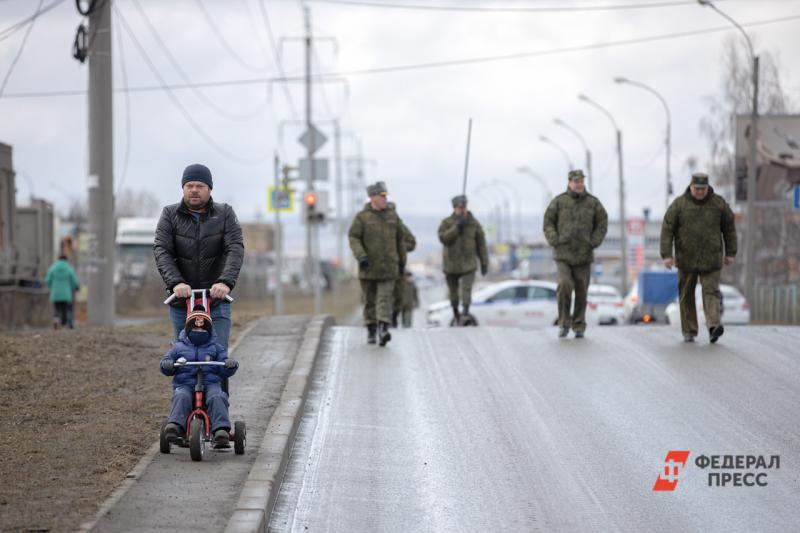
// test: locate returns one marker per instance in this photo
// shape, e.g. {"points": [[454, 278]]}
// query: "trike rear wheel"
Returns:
{"points": [[239, 437], [163, 443]]}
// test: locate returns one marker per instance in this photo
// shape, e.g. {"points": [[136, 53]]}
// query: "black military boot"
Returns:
{"points": [[371, 328], [716, 333], [394, 318], [456, 314], [383, 333]]}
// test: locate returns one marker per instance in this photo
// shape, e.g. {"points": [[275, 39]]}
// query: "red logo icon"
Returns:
{"points": [[673, 462]]}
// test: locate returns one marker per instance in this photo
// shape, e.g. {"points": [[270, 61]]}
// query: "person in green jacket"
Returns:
{"points": [[399, 284], [62, 282], [701, 226], [410, 300], [575, 223], [376, 239], [464, 242]]}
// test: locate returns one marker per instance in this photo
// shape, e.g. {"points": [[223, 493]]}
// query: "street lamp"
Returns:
{"points": [[750, 222], [501, 205], [566, 126], [525, 169], [558, 147], [649, 89], [622, 238], [518, 199]]}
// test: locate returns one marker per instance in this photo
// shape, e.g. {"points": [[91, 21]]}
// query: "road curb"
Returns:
{"points": [[260, 489], [143, 463]]}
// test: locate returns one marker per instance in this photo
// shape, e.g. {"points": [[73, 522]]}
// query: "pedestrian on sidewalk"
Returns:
{"points": [[199, 245], [702, 228], [410, 300], [62, 282], [399, 285], [575, 223]]}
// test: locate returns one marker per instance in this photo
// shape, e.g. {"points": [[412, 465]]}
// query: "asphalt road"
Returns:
{"points": [[480, 429]]}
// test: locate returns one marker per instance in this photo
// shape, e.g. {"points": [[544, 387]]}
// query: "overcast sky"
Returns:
{"points": [[411, 123]]}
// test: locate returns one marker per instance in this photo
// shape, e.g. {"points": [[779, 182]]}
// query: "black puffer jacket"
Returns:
{"points": [[200, 253]]}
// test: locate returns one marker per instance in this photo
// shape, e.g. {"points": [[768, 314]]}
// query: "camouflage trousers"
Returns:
{"points": [[687, 281], [397, 294], [377, 300], [572, 279], [466, 282], [408, 314]]}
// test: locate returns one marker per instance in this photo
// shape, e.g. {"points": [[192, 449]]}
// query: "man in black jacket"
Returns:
{"points": [[199, 245]]}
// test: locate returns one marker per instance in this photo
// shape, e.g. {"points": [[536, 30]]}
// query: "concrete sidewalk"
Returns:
{"points": [[171, 492]]}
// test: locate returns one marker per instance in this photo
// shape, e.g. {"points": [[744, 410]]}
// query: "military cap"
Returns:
{"points": [[377, 188], [700, 179], [459, 201], [576, 174]]}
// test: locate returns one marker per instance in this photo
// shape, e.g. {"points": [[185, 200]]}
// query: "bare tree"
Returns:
{"points": [[142, 203], [719, 125]]}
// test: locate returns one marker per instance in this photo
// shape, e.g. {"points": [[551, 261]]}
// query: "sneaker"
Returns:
{"points": [[688, 338], [172, 432], [578, 334], [562, 332], [715, 333], [222, 439]]}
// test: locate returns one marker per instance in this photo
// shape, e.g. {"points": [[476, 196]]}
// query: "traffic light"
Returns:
{"points": [[315, 205]]}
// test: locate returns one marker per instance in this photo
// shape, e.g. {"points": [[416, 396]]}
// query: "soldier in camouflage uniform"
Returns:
{"points": [[376, 239], [699, 223], [410, 300], [575, 223], [464, 241], [411, 243]]}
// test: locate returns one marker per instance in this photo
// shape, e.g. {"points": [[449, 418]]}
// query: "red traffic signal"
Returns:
{"points": [[310, 199]]}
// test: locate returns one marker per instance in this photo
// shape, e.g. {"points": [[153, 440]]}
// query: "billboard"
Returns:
{"points": [[777, 156]]}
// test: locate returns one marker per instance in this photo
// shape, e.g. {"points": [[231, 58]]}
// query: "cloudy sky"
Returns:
{"points": [[411, 122]]}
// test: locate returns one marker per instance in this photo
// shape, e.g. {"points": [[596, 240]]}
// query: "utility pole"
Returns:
{"points": [[278, 310], [337, 155], [312, 234], [101, 168]]}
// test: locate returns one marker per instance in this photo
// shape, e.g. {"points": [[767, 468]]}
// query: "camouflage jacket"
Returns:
{"points": [[462, 247], [574, 225], [698, 228], [408, 238], [377, 235]]}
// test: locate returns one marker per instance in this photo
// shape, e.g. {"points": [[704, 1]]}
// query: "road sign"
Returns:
{"points": [[320, 170], [796, 202], [281, 199], [312, 139]]}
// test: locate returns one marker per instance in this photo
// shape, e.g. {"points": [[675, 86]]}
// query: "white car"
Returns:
{"points": [[514, 303], [604, 305], [735, 309]]}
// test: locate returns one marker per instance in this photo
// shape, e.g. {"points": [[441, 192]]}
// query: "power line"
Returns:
{"points": [[265, 17], [127, 108], [182, 73], [7, 32], [19, 52], [177, 103], [223, 42], [421, 66], [505, 9]]}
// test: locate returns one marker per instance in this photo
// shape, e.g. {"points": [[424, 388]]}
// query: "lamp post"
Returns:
{"points": [[503, 204], [518, 199], [577, 134], [649, 89], [622, 237], [558, 147], [750, 222], [525, 169]]}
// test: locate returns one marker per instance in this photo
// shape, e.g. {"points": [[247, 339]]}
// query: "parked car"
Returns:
{"points": [[604, 305], [735, 309], [513, 303]]}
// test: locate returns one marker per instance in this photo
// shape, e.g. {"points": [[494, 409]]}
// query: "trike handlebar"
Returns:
{"points": [[172, 297]]}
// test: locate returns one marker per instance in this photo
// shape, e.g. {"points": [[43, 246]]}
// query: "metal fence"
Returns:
{"points": [[776, 305]]}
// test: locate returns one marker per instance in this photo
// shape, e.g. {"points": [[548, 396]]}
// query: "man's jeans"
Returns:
{"points": [[220, 319]]}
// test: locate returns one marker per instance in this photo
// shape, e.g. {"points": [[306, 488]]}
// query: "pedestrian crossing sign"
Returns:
{"points": [[280, 199]]}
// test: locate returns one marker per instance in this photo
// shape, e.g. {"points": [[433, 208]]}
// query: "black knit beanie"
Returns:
{"points": [[197, 172]]}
